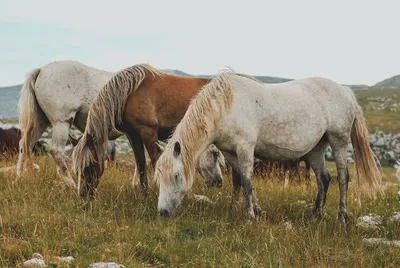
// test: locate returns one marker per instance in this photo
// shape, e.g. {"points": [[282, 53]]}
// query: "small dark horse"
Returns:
{"points": [[9, 143]]}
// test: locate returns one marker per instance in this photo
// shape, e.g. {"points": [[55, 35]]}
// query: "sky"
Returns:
{"points": [[350, 42]]}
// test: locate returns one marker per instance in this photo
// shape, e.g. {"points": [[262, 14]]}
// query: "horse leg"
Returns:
{"points": [[245, 156], [140, 158], [316, 157], [308, 177], [34, 137], [339, 148], [59, 140], [236, 180], [150, 137]]}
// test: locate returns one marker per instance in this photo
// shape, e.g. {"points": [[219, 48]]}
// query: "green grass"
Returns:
{"points": [[38, 214], [385, 119]]}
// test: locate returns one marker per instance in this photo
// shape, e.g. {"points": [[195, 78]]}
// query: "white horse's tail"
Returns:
{"points": [[29, 112], [365, 165]]}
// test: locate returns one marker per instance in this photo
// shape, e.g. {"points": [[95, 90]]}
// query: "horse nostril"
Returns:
{"points": [[164, 213]]}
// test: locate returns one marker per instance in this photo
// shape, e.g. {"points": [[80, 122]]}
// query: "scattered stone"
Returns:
{"points": [[67, 260], [395, 217], [36, 261], [369, 222], [381, 241], [202, 198], [106, 265], [288, 226]]}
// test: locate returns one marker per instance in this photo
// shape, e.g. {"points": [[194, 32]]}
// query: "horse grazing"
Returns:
{"points": [[110, 152], [245, 118], [9, 142], [57, 94], [142, 102]]}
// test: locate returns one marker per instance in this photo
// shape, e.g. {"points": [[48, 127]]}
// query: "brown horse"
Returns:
{"points": [[9, 143], [144, 103]]}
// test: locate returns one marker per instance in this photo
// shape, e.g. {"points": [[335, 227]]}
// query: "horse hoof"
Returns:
{"points": [[250, 216], [343, 219], [257, 211]]}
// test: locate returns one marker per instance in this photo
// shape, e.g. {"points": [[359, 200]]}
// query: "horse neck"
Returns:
{"points": [[195, 146]]}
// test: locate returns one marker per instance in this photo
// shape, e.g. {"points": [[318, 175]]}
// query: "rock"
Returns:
{"points": [[395, 217], [288, 226], [381, 241], [36, 261], [369, 222], [202, 198], [106, 265], [68, 259]]}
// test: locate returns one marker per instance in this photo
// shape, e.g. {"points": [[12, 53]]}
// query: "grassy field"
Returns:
{"points": [[381, 108], [38, 214]]}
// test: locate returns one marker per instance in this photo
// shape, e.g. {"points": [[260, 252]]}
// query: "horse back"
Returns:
{"points": [[162, 101]]}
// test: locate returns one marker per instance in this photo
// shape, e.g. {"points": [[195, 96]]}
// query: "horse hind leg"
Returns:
{"points": [[316, 159], [34, 137], [59, 140], [339, 145]]}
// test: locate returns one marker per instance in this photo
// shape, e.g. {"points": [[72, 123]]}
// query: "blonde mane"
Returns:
{"points": [[204, 115], [107, 110]]}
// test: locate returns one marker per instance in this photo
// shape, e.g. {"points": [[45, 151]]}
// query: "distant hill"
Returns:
{"points": [[392, 82], [9, 95], [9, 102], [11, 88]]}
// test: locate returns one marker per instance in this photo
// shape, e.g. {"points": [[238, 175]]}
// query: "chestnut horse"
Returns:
{"points": [[142, 102]]}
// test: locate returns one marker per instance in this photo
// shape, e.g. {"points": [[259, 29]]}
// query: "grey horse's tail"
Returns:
{"points": [[30, 113], [365, 165]]}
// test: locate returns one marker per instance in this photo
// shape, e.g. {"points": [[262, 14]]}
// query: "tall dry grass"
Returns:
{"points": [[38, 214]]}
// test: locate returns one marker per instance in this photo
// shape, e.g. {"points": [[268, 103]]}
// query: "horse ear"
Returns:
{"points": [[177, 149], [89, 141], [73, 141]]}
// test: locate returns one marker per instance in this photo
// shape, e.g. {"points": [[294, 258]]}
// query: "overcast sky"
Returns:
{"points": [[347, 41]]}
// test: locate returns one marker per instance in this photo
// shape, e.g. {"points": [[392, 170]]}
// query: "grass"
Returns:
{"points": [[38, 214], [383, 119]]}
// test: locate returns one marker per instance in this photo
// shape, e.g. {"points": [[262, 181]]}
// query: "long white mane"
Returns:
{"points": [[204, 114], [107, 110]]}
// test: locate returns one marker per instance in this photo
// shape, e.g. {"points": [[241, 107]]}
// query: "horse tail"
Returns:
{"points": [[365, 166], [30, 113], [106, 112]]}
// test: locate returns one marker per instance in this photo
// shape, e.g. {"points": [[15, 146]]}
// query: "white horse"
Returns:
{"points": [[245, 119], [59, 94]]}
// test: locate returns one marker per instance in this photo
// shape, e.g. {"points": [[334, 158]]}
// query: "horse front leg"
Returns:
{"points": [[138, 150], [245, 155]]}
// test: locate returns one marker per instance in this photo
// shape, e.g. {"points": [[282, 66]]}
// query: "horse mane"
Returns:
{"points": [[107, 109], [204, 114]]}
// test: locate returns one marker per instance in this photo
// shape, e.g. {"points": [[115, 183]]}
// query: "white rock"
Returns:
{"points": [[202, 198], [106, 265], [36, 261], [371, 221], [395, 217], [68, 259], [288, 225], [381, 241]]}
